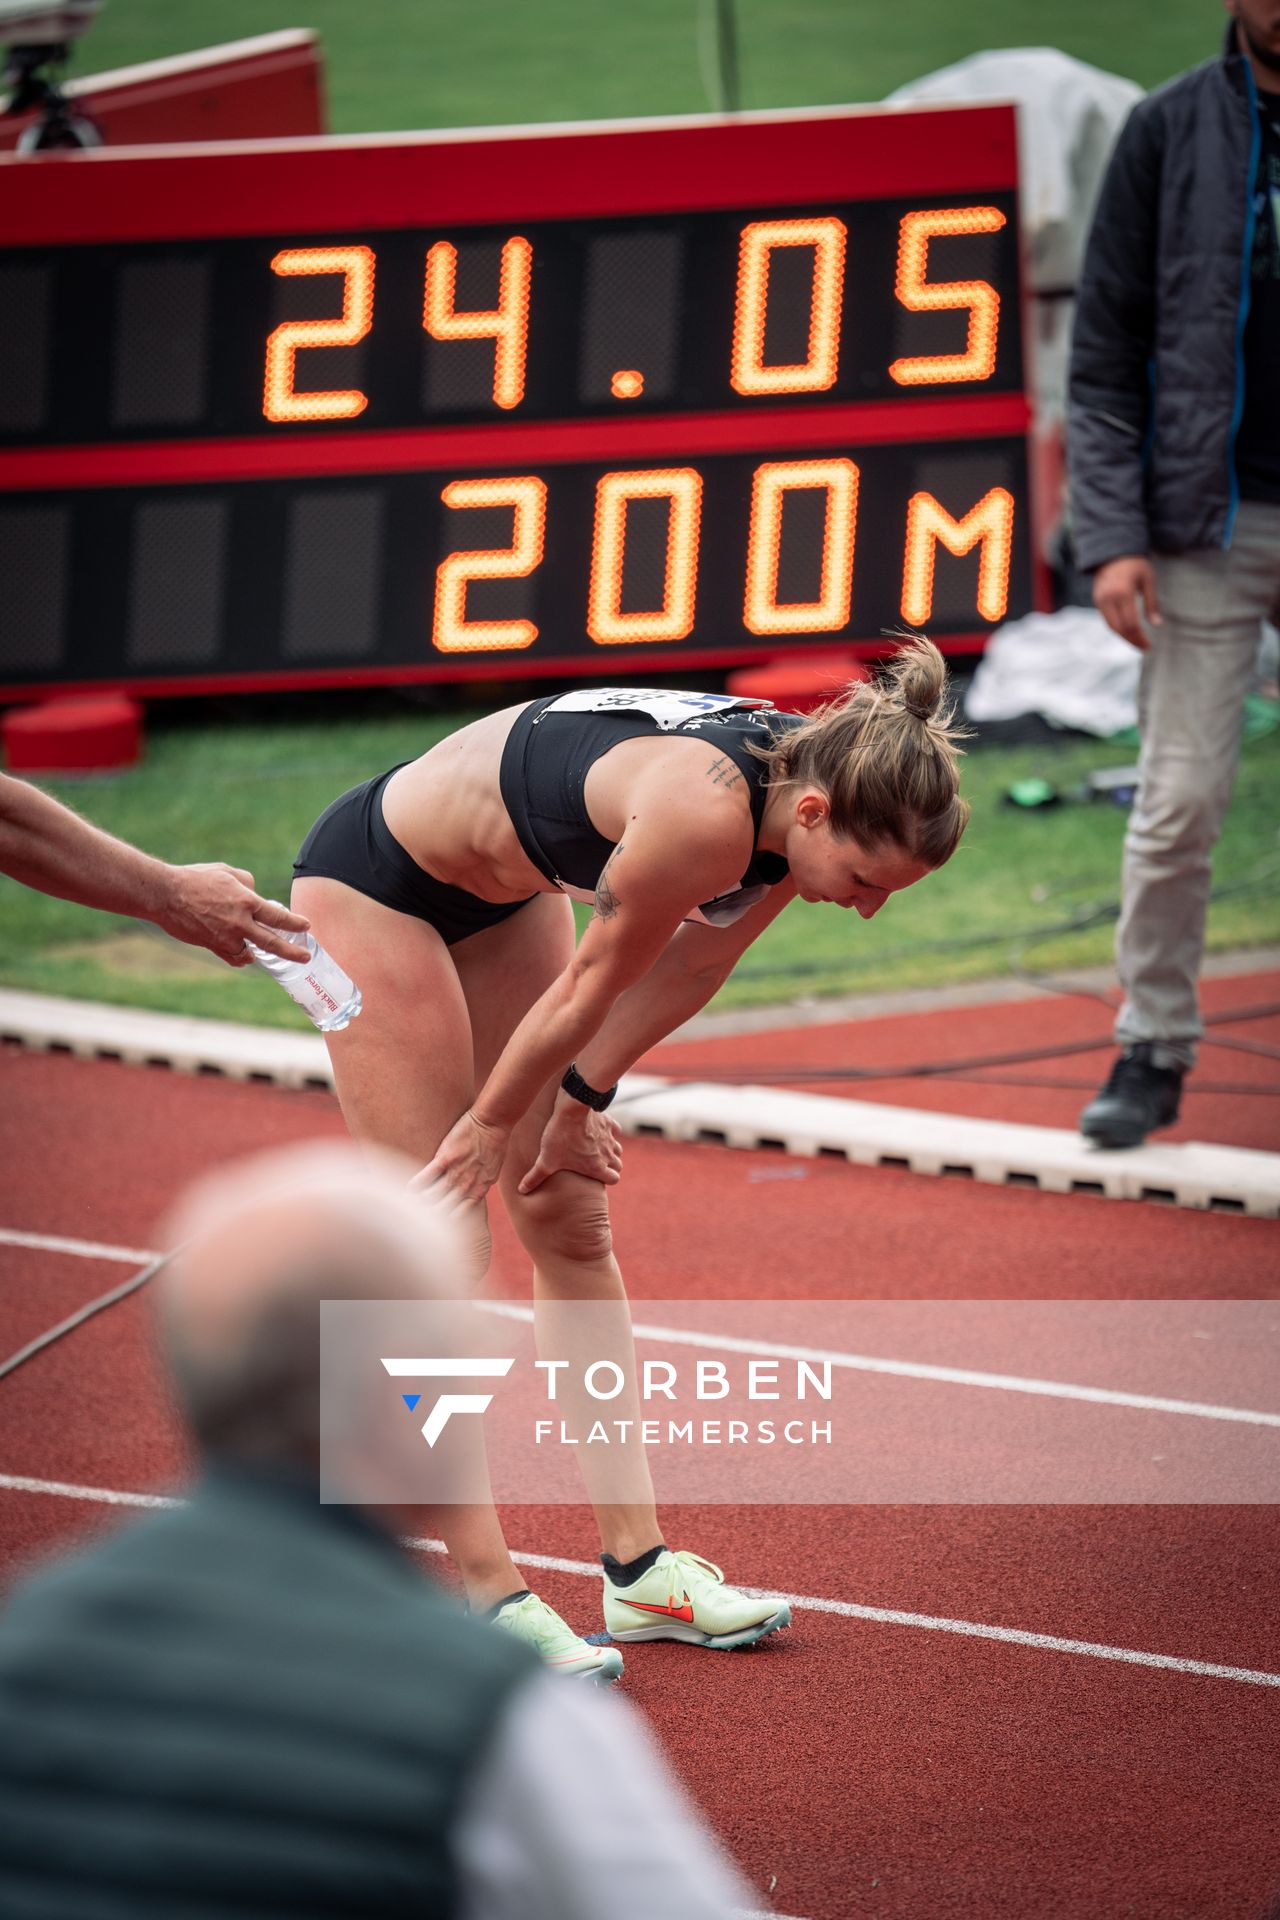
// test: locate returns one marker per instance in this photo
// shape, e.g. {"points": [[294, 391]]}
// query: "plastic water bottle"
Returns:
{"points": [[327, 995]]}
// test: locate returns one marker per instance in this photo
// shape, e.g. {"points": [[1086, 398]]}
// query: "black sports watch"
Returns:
{"points": [[577, 1089]]}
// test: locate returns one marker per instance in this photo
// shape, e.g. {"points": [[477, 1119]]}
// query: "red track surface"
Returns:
{"points": [[870, 1768]]}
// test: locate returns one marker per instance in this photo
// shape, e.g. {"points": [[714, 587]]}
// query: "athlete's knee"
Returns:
{"points": [[567, 1218]]}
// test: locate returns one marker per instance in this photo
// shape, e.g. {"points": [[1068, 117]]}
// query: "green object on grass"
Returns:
{"points": [[1032, 793]]}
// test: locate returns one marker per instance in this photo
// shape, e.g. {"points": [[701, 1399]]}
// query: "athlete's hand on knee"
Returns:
{"points": [[576, 1140], [1117, 588], [467, 1163]]}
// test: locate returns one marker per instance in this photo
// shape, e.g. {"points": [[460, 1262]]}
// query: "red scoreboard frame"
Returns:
{"points": [[222, 468]]}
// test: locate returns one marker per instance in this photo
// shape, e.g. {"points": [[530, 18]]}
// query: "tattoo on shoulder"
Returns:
{"points": [[723, 773], [607, 902]]}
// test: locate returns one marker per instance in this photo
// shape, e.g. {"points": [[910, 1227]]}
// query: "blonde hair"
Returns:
{"points": [[885, 754]]}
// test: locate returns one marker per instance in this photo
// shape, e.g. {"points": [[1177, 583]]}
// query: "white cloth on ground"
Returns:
{"points": [[1069, 667]]}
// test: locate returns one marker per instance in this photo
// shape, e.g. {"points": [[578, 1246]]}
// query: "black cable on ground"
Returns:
{"points": [[937, 1069], [1092, 913], [1259, 1047], [1231, 1088], [1256, 880], [918, 1070], [77, 1319], [964, 943]]}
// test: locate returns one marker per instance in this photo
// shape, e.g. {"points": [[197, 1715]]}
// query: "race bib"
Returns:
{"points": [[667, 707]]}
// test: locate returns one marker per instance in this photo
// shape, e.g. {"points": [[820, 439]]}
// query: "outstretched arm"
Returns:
{"points": [[47, 846]]}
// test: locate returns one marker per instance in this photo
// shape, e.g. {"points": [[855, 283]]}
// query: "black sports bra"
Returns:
{"points": [[555, 742]]}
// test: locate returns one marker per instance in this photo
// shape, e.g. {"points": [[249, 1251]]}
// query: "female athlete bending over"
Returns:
{"points": [[488, 1042]]}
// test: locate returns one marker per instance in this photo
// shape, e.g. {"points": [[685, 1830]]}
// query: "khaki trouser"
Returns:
{"points": [[1190, 702]]}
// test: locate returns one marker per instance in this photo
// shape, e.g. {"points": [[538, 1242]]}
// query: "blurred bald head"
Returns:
{"points": [[260, 1245]]}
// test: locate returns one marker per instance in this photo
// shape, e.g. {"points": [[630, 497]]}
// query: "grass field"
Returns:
{"points": [[403, 64], [246, 790]]}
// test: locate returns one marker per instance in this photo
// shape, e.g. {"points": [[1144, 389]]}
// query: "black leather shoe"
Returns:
{"points": [[1138, 1098]]}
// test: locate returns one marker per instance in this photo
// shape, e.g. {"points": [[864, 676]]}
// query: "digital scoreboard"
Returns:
{"points": [[580, 400]]}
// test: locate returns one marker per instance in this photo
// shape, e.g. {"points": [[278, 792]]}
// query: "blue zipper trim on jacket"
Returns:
{"points": [[1246, 274], [1149, 438]]}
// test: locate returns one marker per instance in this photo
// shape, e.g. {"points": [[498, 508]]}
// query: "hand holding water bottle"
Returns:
{"points": [[213, 905]]}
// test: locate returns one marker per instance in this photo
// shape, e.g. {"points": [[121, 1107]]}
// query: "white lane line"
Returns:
{"points": [[844, 1609], [919, 1370], [102, 1496], [775, 1350], [81, 1249]]}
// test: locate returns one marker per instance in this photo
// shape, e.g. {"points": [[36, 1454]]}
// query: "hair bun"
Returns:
{"points": [[915, 680]]}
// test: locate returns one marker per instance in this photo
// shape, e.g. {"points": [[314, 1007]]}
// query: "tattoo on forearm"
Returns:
{"points": [[723, 773], [607, 902]]}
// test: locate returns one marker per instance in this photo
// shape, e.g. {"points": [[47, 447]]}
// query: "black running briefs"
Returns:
{"points": [[351, 842]]}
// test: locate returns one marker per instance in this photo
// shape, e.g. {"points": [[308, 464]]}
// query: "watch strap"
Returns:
{"points": [[578, 1089]]}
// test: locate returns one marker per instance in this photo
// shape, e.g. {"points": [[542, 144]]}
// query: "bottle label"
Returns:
{"points": [[326, 994], [322, 993]]}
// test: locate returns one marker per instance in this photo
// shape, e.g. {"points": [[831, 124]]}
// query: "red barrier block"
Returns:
{"points": [[73, 736]]}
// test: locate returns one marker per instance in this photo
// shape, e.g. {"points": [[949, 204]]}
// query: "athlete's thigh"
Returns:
{"points": [[403, 1068], [504, 971], [507, 968]]}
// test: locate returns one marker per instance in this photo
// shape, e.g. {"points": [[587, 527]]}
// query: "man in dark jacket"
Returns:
{"points": [[255, 1704], [1174, 452]]}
